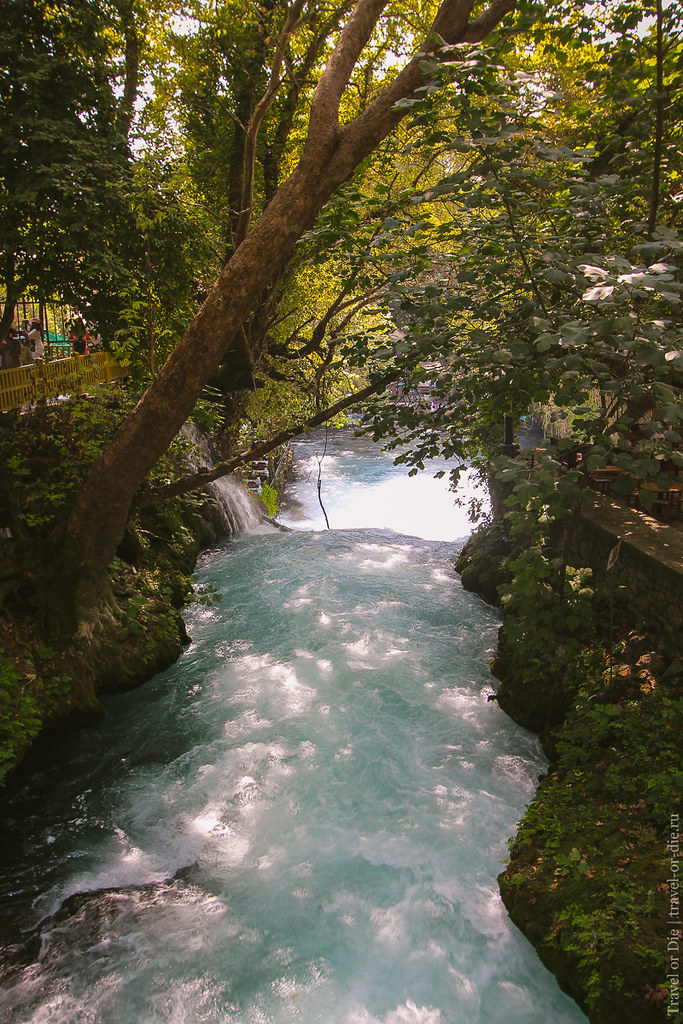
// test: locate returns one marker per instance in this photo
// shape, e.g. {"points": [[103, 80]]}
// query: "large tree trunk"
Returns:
{"points": [[331, 155]]}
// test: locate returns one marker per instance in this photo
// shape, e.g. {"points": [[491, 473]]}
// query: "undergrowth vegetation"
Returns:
{"points": [[587, 879], [138, 631]]}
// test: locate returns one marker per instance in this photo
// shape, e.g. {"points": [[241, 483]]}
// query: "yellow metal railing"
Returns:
{"points": [[41, 381]]}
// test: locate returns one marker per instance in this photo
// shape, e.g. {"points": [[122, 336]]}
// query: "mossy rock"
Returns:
{"points": [[594, 915], [536, 700], [482, 563]]}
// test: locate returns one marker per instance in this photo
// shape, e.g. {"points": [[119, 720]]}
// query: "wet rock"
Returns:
{"points": [[482, 563]]}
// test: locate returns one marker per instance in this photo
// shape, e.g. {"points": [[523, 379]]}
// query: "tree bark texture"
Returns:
{"points": [[332, 153]]}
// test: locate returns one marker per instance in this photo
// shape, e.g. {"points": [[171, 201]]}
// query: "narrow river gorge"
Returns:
{"points": [[303, 819]]}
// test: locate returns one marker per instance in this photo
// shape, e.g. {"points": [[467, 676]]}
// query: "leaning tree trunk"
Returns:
{"points": [[331, 154]]}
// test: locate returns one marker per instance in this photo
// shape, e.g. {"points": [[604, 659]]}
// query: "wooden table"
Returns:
{"points": [[602, 479]]}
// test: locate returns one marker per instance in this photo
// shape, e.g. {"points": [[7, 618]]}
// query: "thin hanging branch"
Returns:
{"points": [[320, 478], [520, 246]]}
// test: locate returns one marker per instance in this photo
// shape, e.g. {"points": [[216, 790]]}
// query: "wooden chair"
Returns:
{"points": [[664, 503]]}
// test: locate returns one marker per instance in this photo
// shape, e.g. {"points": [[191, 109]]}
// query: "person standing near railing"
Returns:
{"points": [[25, 357], [5, 357], [10, 350], [93, 339], [35, 338], [79, 344]]}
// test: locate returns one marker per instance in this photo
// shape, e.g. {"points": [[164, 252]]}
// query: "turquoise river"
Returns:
{"points": [[303, 819]]}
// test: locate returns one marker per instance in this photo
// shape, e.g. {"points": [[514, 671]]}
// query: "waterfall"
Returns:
{"points": [[238, 511]]}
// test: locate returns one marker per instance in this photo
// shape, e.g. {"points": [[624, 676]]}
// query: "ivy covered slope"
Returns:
{"points": [[137, 630]]}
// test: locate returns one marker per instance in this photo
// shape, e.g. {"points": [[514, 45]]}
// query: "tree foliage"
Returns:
{"points": [[477, 220], [63, 151], [553, 283]]}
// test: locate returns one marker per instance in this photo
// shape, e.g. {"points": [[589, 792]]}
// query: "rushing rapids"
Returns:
{"points": [[303, 819]]}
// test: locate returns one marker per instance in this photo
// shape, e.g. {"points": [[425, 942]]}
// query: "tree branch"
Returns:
{"points": [[330, 156], [334, 79], [478, 29], [659, 126], [342, 304], [131, 65], [300, 76], [450, 27], [203, 477]]}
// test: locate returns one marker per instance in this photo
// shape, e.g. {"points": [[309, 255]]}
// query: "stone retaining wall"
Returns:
{"points": [[648, 575]]}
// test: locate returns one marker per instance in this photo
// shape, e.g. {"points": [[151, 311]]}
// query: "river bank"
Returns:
{"points": [[589, 880], [138, 633]]}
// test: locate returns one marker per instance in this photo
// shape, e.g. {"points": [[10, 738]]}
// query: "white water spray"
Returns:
{"points": [[241, 515]]}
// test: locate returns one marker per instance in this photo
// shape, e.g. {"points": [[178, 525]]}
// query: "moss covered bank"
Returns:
{"points": [[131, 628], [126, 640], [592, 876]]}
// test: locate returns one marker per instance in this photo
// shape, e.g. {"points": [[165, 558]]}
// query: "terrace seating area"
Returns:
{"points": [[660, 498]]}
